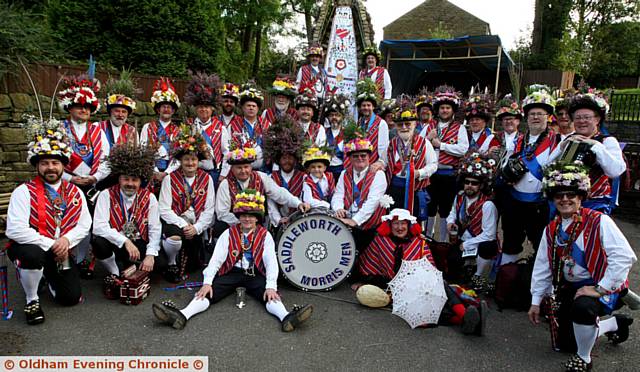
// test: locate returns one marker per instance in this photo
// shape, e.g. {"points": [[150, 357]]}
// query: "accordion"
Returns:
{"points": [[513, 169], [578, 151], [135, 286]]}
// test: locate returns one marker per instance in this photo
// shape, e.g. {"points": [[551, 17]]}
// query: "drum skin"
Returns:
{"points": [[316, 252]]}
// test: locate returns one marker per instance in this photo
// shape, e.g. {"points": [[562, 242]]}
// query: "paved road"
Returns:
{"points": [[340, 335]]}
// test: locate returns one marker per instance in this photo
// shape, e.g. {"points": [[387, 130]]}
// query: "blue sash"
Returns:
{"points": [[527, 197], [319, 190], [356, 192], [248, 255], [251, 131], [109, 133], [285, 184], [84, 151], [56, 199], [370, 124], [162, 134], [331, 142], [533, 165], [603, 204]]}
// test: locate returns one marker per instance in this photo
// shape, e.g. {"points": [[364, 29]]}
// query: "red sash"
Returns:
{"points": [[270, 114], [214, 132], [125, 131], [140, 210], [42, 206], [312, 133], [418, 149], [237, 129], [379, 78], [314, 189], [378, 258], [364, 186], [373, 138], [600, 182], [449, 136], [474, 213], [309, 76], [152, 131], [255, 182], [548, 143], [93, 140], [180, 191], [256, 239]]}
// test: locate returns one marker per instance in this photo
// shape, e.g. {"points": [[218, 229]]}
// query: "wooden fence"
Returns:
{"points": [[553, 78]]}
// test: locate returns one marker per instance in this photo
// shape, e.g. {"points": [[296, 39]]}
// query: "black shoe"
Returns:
{"points": [[577, 364], [296, 317], [483, 309], [34, 313], [168, 313], [478, 283], [471, 320], [85, 269], [172, 275], [622, 334]]}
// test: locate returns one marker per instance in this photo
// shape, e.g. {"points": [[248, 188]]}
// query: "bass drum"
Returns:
{"points": [[316, 251]]}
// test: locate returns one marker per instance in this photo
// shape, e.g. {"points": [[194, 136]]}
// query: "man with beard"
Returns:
{"points": [[582, 267], [411, 161], [244, 256], [202, 93], [526, 212], [47, 218], [450, 141], [186, 204], [604, 155], [370, 60], [284, 92], [376, 129], [126, 225], [230, 95], [242, 177], [358, 197], [474, 217], [312, 74], [250, 131], [161, 133], [478, 112], [283, 146], [336, 107], [306, 104]]}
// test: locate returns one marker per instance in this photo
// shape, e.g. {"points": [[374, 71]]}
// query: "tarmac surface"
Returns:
{"points": [[341, 335]]}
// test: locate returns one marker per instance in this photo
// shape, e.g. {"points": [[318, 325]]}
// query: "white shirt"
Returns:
{"points": [[321, 137], [225, 142], [487, 141], [336, 161], [489, 225], [431, 162], [377, 190], [170, 217], [276, 211], [307, 193], [383, 140], [387, 82], [529, 184], [609, 157], [620, 258], [102, 214], [459, 148], [224, 204], [221, 252], [18, 215], [84, 170], [116, 130], [163, 154], [510, 141]]}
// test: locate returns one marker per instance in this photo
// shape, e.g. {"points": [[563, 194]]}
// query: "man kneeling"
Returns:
{"points": [[244, 256]]}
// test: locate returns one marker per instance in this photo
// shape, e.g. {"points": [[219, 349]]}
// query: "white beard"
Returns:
{"points": [[118, 122], [281, 107], [405, 136]]}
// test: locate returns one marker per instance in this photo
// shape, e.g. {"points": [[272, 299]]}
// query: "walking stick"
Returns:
{"points": [[7, 313]]}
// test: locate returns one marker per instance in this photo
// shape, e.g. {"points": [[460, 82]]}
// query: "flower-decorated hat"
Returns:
{"points": [[164, 92], [371, 51], [563, 98], [230, 90], [284, 136], [249, 201], [132, 159], [203, 89], [445, 94], [79, 91], [337, 102], [389, 106], [315, 49], [358, 145], [120, 92], [284, 86], [48, 140], [307, 95], [425, 98], [593, 100], [538, 95], [250, 92], [314, 155], [242, 155], [479, 105], [366, 90], [407, 110], [508, 106], [189, 141], [477, 166], [399, 214], [566, 177]]}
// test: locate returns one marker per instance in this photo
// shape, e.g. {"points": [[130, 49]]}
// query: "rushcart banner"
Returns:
{"points": [[342, 55]]}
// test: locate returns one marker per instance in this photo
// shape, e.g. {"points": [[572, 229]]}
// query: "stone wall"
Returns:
{"points": [[13, 144]]}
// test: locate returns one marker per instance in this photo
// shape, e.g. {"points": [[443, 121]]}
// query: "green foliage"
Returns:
{"points": [[616, 52]]}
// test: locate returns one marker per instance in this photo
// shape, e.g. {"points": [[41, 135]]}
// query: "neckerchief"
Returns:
{"points": [[84, 150]]}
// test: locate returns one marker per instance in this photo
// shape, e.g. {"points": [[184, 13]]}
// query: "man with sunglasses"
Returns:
{"points": [[604, 157], [583, 264], [474, 217], [526, 212]]}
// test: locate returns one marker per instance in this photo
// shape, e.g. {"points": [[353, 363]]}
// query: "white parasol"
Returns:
{"points": [[418, 293]]}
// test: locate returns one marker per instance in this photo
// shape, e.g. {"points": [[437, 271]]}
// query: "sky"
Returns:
{"points": [[508, 19]]}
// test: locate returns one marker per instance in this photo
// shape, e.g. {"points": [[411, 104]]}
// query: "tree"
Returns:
{"points": [[550, 20], [616, 52]]}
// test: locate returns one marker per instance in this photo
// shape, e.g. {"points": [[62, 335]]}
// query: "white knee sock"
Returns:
{"points": [[110, 265], [196, 306], [431, 222], [172, 247], [444, 232], [82, 250], [483, 265], [508, 258], [30, 280], [585, 339], [277, 308], [607, 325]]}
